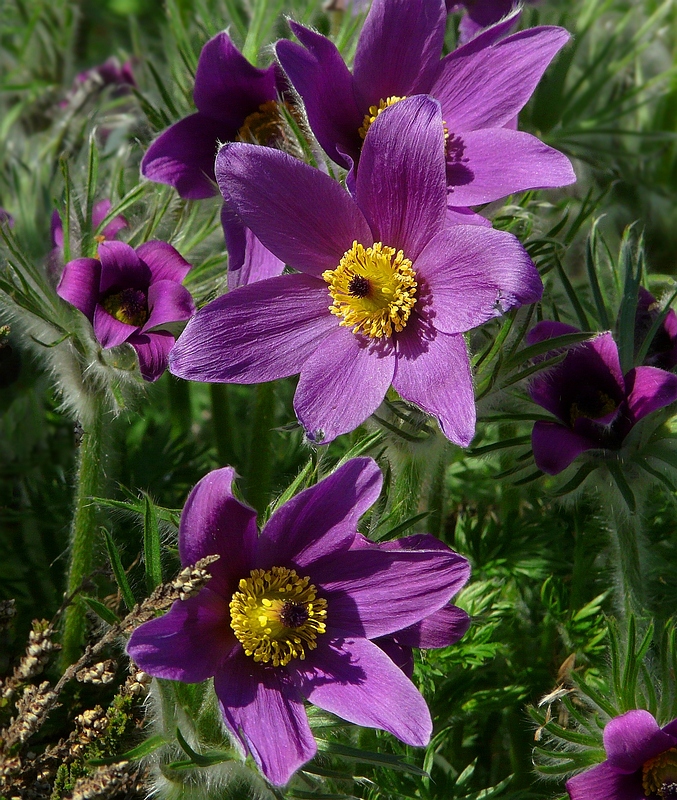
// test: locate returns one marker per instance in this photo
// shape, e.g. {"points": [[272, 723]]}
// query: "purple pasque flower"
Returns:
{"points": [[110, 73], [663, 349], [100, 211], [641, 762], [596, 405], [291, 614], [131, 296], [481, 14], [385, 288], [440, 629], [234, 100], [481, 88], [6, 218]]}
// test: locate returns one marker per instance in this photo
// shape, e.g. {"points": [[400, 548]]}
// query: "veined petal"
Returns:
{"points": [[487, 87], [440, 629], [632, 739], [214, 521], [465, 216], [227, 86], [261, 332], [322, 519], [401, 184], [341, 384], [555, 447], [248, 260], [354, 679], [265, 712], [492, 163], [364, 588], [110, 332], [474, 274], [188, 643], [300, 214], [79, 284], [183, 156], [166, 263], [603, 782], [319, 74], [399, 48], [153, 352], [121, 268], [649, 389], [433, 371], [168, 301]]}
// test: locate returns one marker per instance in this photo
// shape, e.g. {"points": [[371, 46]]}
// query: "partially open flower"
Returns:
{"points": [[641, 762], [131, 296], [596, 405], [291, 614], [663, 348], [100, 211]]}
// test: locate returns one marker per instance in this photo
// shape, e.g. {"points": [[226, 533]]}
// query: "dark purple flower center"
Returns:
{"points": [[591, 404], [293, 615], [659, 775], [129, 306], [359, 286]]}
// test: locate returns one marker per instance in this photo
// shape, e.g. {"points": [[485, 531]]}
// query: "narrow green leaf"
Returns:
{"points": [[118, 571], [151, 545], [216, 757], [92, 180], [631, 268], [556, 343], [500, 445], [621, 482], [366, 757], [101, 610], [140, 751]]}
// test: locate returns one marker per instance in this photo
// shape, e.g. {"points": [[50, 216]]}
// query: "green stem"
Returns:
{"points": [[629, 565], [260, 463], [83, 531], [223, 425], [180, 412]]}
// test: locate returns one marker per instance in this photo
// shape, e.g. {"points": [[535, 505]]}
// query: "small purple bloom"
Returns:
{"points": [[110, 73], [6, 218], [663, 349], [385, 289], [100, 211], [290, 614], [641, 762], [596, 404], [481, 14], [481, 88], [131, 296]]}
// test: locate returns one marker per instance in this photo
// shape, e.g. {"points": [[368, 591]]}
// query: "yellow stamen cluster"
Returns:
{"points": [[373, 289], [276, 615], [265, 126], [129, 306], [605, 405], [660, 773], [374, 111]]}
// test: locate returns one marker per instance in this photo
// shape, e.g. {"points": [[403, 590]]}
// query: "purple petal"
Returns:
{"points": [[261, 332], [227, 87], [401, 656], [168, 301], [433, 371], [492, 163], [342, 383], [100, 212], [486, 37], [474, 274], [79, 284], [486, 88], [248, 260], [188, 643], [300, 214], [320, 76], [555, 446], [549, 329], [153, 352], [214, 521], [440, 629], [604, 783], [166, 263], [401, 182], [354, 679], [399, 48], [266, 714], [464, 216], [56, 226], [109, 331], [649, 389], [364, 588], [632, 739], [121, 268], [183, 156], [322, 519]]}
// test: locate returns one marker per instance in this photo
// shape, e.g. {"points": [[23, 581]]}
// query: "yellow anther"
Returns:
{"points": [[374, 111]]}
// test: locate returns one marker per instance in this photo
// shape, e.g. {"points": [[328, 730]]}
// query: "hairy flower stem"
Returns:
{"points": [[629, 564], [83, 530], [180, 412], [224, 425], [260, 462]]}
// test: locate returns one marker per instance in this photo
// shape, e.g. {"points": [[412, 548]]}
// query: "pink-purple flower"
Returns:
{"points": [[481, 88], [100, 211], [662, 351], [6, 218], [481, 14], [131, 296], [641, 762], [385, 288], [290, 614], [595, 404]]}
